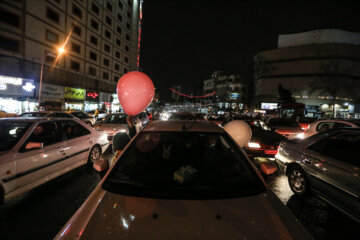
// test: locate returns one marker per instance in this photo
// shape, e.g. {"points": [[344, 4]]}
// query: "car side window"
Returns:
{"points": [[63, 115], [342, 125], [343, 147], [325, 126], [317, 146], [73, 129], [47, 133]]}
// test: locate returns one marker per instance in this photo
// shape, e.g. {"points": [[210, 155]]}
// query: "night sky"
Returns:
{"points": [[183, 42]]}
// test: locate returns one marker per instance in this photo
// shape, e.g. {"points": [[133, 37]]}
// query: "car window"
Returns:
{"points": [[73, 129], [28, 115], [325, 126], [115, 119], [79, 114], [183, 165], [284, 122], [342, 125], [63, 115], [47, 133], [11, 132], [343, 147]]}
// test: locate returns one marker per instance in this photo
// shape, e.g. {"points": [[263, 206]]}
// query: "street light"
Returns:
{"points": [[61, 50]]}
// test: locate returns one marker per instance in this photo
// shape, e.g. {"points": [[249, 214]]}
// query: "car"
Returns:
{"points": [[305, 122], [326, 164], [216, 119], [83, 116], [100, 116], [182, 180], [42, 114], [35, 150], [285, 126], [113, 123], [181, 116], [141, 121], [4, 114], [327, 124], [264, 142]]}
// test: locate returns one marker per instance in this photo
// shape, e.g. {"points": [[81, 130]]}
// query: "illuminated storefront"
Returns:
{"points": [[17, 94], [91, 100], [74, 98], [115, 104], [52, 97]]}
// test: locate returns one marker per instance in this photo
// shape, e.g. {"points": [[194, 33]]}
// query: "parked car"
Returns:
{"points": [[214, 118], [285, 126], [327, 124], [112, 124], [83, 116], [33, 151], [4, 114], [182, 180], [47, 114], [305, 122], [326, 164]]}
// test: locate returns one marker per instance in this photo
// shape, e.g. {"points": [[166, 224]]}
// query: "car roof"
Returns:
{"points": [[177, 126], [35, 119]]}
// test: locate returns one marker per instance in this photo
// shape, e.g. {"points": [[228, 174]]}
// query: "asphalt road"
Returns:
{"points": [[42, 212]]}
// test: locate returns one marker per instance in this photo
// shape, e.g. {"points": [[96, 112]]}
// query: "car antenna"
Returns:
{"points": [[183, 126]]}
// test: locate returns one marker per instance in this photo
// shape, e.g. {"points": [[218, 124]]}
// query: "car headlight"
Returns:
{"points": [[253, 145], [300, 135]]}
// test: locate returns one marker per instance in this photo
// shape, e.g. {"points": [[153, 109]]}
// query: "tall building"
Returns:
{"points": [[229, 90], [101, 42], [320, 68]]}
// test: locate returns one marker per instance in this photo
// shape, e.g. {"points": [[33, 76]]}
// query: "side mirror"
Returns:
{"points": [[120, 140], [101, 165], [33, 145]]}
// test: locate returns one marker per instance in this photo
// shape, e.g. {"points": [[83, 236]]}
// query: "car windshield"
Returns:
{"points": [[79, 114], [183, 165], [258, 124], [283, 122], [10, 133], [35, 114], [115, 119]]}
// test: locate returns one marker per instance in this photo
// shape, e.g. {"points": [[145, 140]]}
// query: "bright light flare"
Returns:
{"points": [[253, 145], [61, 50]]}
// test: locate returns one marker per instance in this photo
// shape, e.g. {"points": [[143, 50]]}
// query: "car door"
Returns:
{"points": [[336, 165], [34, 164], [78, 140]]}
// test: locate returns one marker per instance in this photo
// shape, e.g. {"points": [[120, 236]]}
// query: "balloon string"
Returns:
{"points": [[189, 96]]}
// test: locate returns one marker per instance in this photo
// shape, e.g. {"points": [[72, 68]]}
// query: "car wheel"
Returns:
{"points": [[95, 154], [298, 181]]}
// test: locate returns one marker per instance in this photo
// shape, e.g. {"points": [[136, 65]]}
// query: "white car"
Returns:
{"points": [[182, 180], [325, 125], [33, 151]]}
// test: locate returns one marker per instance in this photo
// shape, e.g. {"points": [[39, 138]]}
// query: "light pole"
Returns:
{"points": [[61, 51]]}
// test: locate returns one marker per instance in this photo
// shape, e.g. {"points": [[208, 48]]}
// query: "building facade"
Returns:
{"points": [[229, 90], [320, 68], [101, 42]]}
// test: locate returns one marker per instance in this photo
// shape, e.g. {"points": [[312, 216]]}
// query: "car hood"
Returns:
{"points": [[114, 216], [266, 137]]}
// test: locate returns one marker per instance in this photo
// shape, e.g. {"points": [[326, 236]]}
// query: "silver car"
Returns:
{"points": [[112, 124], [42, 114], [326, 164], [178, 180]]}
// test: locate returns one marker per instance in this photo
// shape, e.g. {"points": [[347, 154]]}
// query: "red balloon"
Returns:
{"points": [[135, 91]]}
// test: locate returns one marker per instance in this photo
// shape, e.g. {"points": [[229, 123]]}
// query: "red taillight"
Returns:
{"points": [[270, 152]]}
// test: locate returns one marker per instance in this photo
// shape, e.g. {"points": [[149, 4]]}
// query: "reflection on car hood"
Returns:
{"points": [[111, 128], [113, 216]]}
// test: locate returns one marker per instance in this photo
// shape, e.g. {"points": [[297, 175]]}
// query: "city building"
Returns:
{"points": [[66, 54], [320, 68], [229, 90]]}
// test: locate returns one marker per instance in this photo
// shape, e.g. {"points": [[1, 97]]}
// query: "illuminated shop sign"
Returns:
{"points": [[269, 106], [16, 86], [74, 93], [52, 91], [92, 96], [233, 96]]}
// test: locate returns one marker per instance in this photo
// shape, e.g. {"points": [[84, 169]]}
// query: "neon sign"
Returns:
{"points": [[92, 94], [28, 86]]}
